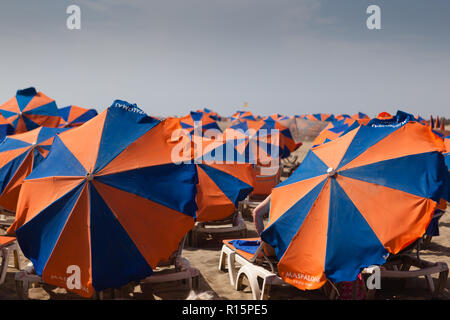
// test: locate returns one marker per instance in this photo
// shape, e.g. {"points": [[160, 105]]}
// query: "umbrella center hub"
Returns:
{"points": [[331, 172], [89, 176]]}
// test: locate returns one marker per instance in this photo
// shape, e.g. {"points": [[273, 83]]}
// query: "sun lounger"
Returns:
{"points": [[399, 268], [231, 226], [8, 245], [258, 267]]}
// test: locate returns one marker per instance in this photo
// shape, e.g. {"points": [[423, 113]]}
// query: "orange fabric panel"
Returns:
{"points": [[28, 137], [11, 105], [332, 152], [396, 217], [284, 197], [21, 127], [155, 229], [7, 156], [84, 141], [152, 149], [10, 194], [303, 263], [29, 205], [212, 203], [412, 138], [73, 248]]}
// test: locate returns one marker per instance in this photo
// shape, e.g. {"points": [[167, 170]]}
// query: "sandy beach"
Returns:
{"points": [[206, 258]]}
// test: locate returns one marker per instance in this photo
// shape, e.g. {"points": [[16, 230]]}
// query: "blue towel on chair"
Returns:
{"points": [[249, 246]]}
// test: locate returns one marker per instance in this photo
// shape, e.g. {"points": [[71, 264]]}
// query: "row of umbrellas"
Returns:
{"points": [[102, 195]]}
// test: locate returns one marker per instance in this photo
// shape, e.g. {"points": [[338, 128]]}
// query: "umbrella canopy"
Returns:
{"points": [[19, 155], [103, 201], [30, 109], [288, 144], [354, 200], [198, 123], [73, 116]]}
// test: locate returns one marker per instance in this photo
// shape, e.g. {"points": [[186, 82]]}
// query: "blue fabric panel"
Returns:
{"points": [[249, 246], [88, 115], [24, 96], [171, 185], [29, 124], [12, 144], [65, 112], [59, 162]]}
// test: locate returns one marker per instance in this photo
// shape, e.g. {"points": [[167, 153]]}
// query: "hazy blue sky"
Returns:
{"points": [[285, 56]]}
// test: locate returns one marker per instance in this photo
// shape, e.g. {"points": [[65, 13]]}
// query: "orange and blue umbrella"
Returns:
{"points": [[212, 114], [224, 180], [353, 201], [74, 116], [30, 109], [242, 115], [19, 155], [320, 117], [198, 123], [108, 201]]}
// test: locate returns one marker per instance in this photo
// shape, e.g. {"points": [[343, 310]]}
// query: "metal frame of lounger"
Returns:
{"points": [[399, 268], [5, 252], [183, 271], [238, 227]]}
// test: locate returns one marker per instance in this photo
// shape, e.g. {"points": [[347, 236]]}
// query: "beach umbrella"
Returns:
{"points": [[288, 144], [211, 114], [242, 115], [19, 155], [353, 201], [362, 118], [30, 109], [198, 123], [74, 116], [224, 178], [108, 201]]}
